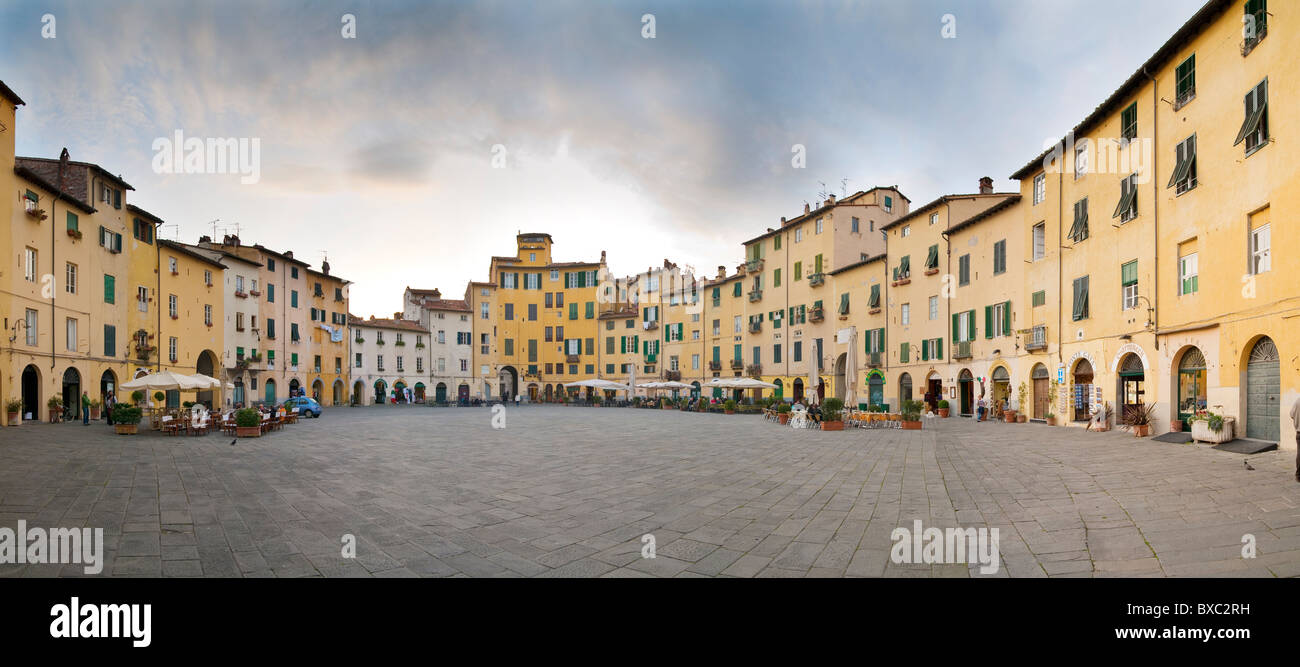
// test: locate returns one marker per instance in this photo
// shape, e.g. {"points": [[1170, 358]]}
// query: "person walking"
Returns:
{"points": [[1295, 421], [85, 409], [983, 406], [109, 402]]}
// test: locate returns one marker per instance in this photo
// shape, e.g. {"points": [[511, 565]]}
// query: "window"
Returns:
{"points": [[510, 311], [997, 320], [483, 310], [1129, 122], [818, 226], [1185, 77], [1255, 24], [71, 334], [853, 225], [907, 231], [1184, 176], [171, 265], [905, 314], [72, 222], [776, 277], [1081, 158], [1079, 230], [270, 293], [293, 298], [934, 218], [30, 328], [110, 340], [1127, 207], [532, 281], [1254, 130], [532, 312], [207, 315], [889, 204], [357, 362], [1000, 257], [776, 242], [1040, 188], [171, 306], [964, 326], [110, 289], [1040, 241], [963, 270], [29, 265], [736, 325], [1040, 298], [143, 231], [171, 349], [934, 307], [293, 273], [1187, 282], [1129, 282], [798, 271], [207, 280], [70, 278], [1260, 246], [1080, 299], [932, 258]]}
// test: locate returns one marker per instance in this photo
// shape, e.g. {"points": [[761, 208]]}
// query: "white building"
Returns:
{"points": [[242, 355], [451, 341], [388, 354]]}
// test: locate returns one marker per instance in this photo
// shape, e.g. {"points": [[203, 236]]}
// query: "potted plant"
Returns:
{"points": [[832, 415], [1212, 427], [911, 415], [1051, 419], [943, 408], [1009, 414], [55, 404], [126, 418], [730, 406], [14, 410], [160, 397], [1138, 419], [783, 413], [1176, 426], [248, 423], [137, 396], [94, 408]]}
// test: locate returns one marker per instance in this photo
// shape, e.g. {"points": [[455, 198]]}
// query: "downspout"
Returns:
{"points": [[1155, 207], [157, 292], [1060, 244]]}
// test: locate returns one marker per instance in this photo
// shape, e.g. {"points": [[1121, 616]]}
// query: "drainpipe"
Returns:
{"points": [[1155, 204]]}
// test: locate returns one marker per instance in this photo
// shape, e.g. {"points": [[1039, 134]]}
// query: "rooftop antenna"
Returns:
{"points": [[844, 187], [214, 227], [821, 194], [176, 231]]}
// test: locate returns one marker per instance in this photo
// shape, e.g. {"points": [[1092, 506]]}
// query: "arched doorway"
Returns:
{"points": [[206, 365], [295, 387], [31, 393], [268, 392], [1039, 376], [532, 392], [933, 391], [777, 393], [462, 393], [419, 392], [1082, 398], [72, 393], [1132, 384], [1001, 386], [695, 388], [1191, 385], [239, 392], [338, 392], [798, 390], [317, 390], [840, 364], [546, 393], [399, 391], [966, 392], [381, 391], [508, 379], [440, 393], [1263, 391], [107, 386], [875, 388], [358, 392], [904, 389]]}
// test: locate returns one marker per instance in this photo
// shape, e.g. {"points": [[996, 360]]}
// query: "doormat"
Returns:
{"points": [[1246, 446], [1176, 438]]}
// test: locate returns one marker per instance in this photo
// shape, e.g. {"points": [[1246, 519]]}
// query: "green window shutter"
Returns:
{"points": [[591, 309], [110, 290], [988, 321], [925, 351], [622, 345], [737, 352], [717, 354], [294, 359], [1129, 273], [844, 303], [956, 330], [938, 348], [880, 347], [932, 257], [1006, 318], [972, 325], [874, 302], [905, 267], [738, 288], [573, 310], [776, 277], [72, 221], [798, 270], [903, 353], [817, 261]]}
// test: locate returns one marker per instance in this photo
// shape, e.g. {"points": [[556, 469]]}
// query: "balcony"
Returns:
{"points": [[318, 293], [1036, 339], [650, 325], [816, 314], [240, 294], [715, 365], [961, 350], [754, 266], [571, 359], [142, 352], [737, 365], [816, 279], [34, 211], [875, 359], [673, 376], [755, 327], [755, 295], [254, 293], [754, 370]]}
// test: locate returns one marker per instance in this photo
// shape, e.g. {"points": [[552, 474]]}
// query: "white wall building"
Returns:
{"points": [[388, 354], [451, 342], [242, 335]]}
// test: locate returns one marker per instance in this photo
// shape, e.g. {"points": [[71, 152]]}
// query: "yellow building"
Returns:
{"points": [[63, 292], [190, 312], [1173, 300], [860, 313], [544, 319], [328, 375]]}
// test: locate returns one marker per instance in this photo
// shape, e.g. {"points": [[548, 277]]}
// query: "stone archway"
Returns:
{"points": [[206, 365], [31, 390], [107, 385], [318, 390], [358, 392], [841, 363], [1263, 391], [508, 381], [72, 393]]}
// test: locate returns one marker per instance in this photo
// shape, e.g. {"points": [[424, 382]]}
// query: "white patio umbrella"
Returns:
{"points": [[598, 384], [851, 368], [166, 381], [631, 380], [810, 391]]}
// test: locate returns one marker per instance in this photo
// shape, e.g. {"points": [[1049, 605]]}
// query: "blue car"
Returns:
{"points": [[307, 406]]}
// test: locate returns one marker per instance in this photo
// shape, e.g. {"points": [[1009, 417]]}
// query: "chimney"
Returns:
{"points": [[806, 208], [205, 239], [289, 254], [325, 267], [783, 221], [722, 272], [437, 294], [602, 256], [986, 186], [830, 200]]}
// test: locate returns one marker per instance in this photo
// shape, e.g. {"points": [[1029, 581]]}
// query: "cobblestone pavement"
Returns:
{"points": [[571, 491]]}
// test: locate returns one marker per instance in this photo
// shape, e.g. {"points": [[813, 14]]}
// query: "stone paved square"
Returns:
{"points": [[571, 491]]}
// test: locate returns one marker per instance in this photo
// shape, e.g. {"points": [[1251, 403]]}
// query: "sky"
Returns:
{"points": [[413, 151]]}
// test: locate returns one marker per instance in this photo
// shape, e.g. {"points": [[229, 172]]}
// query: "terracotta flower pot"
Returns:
{"points": [[125, 429], [832, 426], [94, 414], [911, 426], [1020, 419], [730, 412], [14, 419], [783, 418], [943, 412], [1009, 416], [1142, 430], [248, 431], [1175, 426]]}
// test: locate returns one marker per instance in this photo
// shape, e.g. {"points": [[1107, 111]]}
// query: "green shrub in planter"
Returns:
{"points": [[943, 405], [137, 396], [247, 418], [730, 405], [783, 409], [159, 396], [127, 414], [912, 411], [831, 408]]}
